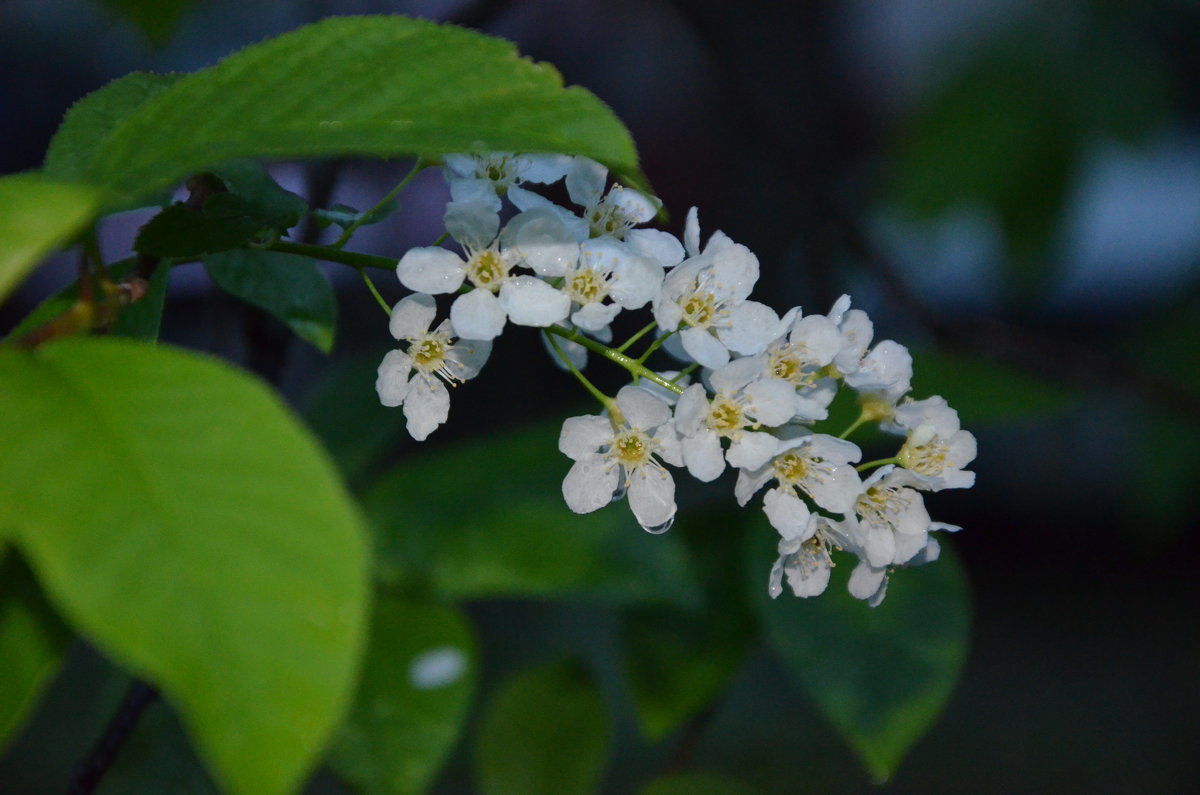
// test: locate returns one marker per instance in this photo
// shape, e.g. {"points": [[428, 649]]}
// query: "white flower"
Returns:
{"points": [[705, 297], [743, 402], [806, 346], [870, 583], [805, 560], [937, 449], [616, 454], [486, 177], [607, 271], [885, 373], [498, 294], [614, 214], [889, 522], [817, 465], [410, 377], [856, 330]]}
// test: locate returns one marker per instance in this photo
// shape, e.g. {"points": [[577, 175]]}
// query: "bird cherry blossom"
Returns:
{"points": [[486, 177], [413, 377]]}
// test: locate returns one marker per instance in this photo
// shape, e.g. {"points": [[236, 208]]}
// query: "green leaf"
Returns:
{"points": [[141, 320], [32, 641], [880, 675], [487, 519], [157, 20], [544, 731], [288, 286], [180, 231], [986, 391], [180, 518], [157, 758], [677, 664], [94, 118], [416, 686], [37, 216], [698, 784], [59, 302], [259, 195], [383, 86], [343, 216]]}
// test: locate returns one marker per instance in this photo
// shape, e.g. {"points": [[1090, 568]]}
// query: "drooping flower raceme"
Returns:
{"points": [[756, 390], [413, 377]]}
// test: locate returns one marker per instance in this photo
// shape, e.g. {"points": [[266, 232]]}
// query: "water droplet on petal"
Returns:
{"points": [[660, 528], [619, 493], [774, 588]]}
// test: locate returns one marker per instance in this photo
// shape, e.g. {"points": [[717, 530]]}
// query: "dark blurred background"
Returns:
{"points": [[1010, 187]]}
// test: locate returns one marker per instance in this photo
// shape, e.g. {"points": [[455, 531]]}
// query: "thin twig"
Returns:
{"points": [[90, 771]]}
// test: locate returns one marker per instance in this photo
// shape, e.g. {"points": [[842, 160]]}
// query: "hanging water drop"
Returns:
{"points": [[619, 492], [660, 528]]}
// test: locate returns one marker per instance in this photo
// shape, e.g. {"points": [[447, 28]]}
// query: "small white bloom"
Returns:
{"points": [[605, 272], [817, 465], [499, 295], [856, 330], [617, 455], [486, 177], [889, 521], [805, 560], [743, 403], [705, 298], [413, 377], [884, 374], [799, 355], [937, 448], [614, 214]]}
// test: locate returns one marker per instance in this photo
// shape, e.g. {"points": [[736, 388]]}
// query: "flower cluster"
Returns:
{"points": [[766, 382]]}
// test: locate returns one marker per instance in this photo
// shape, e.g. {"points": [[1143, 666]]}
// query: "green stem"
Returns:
{"points": [[629, 363], [330, 254], [854, 426], [604, 399], [441, 238], [653, 347], [877, 463], [417, 168], [375, 292], [691, 368], [625, 345]]}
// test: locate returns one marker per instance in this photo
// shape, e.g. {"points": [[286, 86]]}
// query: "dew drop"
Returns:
{"points": [[660, 528], [619, 493]]}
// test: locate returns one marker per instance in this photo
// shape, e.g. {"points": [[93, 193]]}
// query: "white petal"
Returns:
{"points": [[392, 378], [887, 366], [752, 450], [909, 546], [667, 313], [879, 544], [474, 224], [542, 241], [788, 514], [467, 357], [662, 247], [594, 316], [427, 406], [474, 190], [641, 409], [702, 455], [837, 490], [753, 326], [857, 332], [582, 436], [820, 336], [528, 200], [589, 485], [636, 281], [735, 268], [806, 582], [544, 168], [690, 411], [477, 315], [460, 165], [737, 374], [691, 233], [412, 316], [866, 581], [749, 481], [585, 181], [652, 497], [703, 347], [773, 401], [667, 441], [529, 301], [431, 270]]}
